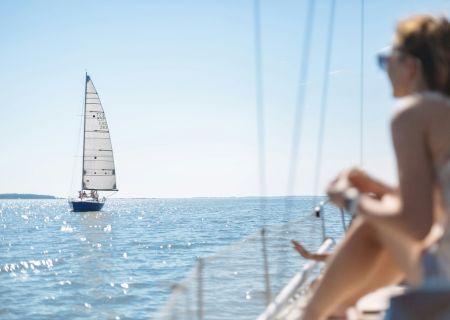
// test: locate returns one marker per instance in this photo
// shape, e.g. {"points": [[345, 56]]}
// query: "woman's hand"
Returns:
{"points": [[338, 188], [358, 178], [336, 193], [308, 255], [300, 249]]}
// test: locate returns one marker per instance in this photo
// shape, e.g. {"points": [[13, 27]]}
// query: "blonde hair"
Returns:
{"points": [[428, 39]]}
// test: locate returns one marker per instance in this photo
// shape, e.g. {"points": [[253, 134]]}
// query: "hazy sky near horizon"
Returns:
{"points": [[177, 82]]}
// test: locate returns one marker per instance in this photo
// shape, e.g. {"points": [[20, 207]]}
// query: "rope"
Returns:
{"points": [[324, 102]]}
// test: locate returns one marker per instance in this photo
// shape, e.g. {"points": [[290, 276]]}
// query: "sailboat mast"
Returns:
{"points": [[84, 130]]}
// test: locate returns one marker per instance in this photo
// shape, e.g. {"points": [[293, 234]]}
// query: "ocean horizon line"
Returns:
{"points": [[31, 196]]}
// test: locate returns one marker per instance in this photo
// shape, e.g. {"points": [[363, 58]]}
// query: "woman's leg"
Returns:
{"points": [[383, 273], [353, 271]]}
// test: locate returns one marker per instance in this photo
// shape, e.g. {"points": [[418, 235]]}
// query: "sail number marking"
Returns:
{"points": [[101, 120]]}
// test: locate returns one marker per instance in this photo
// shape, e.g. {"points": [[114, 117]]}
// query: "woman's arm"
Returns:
{"points": [[412, 212], [367, 184], [308, 255], [361, 181]]}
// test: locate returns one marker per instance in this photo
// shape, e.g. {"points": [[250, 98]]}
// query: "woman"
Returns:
{"points": [[394, 226]]}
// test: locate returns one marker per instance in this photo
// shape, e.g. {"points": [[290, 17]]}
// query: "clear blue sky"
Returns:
{"points": [[176, 79]]}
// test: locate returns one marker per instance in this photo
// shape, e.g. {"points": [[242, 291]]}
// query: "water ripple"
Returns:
{"points": [[122, 263]]}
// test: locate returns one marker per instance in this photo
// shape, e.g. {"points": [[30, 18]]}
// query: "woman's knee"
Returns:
{"points": [[363, 228]]}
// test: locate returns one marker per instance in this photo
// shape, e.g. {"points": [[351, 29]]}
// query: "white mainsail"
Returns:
{"points": [[98, 161]]}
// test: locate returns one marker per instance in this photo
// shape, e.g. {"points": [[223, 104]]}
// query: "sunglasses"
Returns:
{"points": [[382, 61], [384, 56]]}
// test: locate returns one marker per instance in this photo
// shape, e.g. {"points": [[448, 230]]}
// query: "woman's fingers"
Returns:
{"points": [[300, 249], [336, 191], [351, 178], [358, 178]]}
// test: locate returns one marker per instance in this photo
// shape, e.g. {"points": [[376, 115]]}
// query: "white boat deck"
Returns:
{"points": [[374, 305], [371, 307]]}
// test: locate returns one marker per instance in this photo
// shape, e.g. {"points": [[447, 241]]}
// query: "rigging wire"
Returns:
{"points": [[300, 99], [361, 120], [261, 141], [296, 131], [77, 149], [324, 102], [260, 107], [361, 113], [361, 95]]}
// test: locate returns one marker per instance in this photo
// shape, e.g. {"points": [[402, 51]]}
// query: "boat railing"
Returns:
{"points": [[293, 287], [102, 199], [239, 281]]}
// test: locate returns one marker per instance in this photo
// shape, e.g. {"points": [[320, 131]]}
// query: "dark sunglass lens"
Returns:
{"points": [[382, 61]]}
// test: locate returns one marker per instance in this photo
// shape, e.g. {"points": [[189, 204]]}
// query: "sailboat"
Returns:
{"points": [[98, 171]]}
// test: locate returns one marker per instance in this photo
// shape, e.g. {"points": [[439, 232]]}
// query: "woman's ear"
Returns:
{"points": [[414, 68]]}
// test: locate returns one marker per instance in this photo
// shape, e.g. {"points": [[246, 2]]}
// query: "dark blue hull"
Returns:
{"points": [[85, 206]]}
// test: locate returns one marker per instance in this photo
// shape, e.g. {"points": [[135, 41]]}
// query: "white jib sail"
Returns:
{"points": [[98, 161]]}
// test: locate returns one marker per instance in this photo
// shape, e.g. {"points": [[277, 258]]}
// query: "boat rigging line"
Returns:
{"points": [[261, 141], [259, 100], [77, 148], [259, 104], [296, 131], [300, 99], [323, 108], [361, 120]]}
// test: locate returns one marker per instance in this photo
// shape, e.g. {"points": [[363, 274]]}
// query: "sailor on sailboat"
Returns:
{"points": [[98, 173]]}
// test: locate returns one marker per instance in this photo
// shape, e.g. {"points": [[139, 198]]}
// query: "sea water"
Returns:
{"points": [[123, 262]]}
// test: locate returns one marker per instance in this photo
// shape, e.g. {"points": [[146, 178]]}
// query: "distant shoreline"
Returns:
{"points": [[31, 196], [5, 196]]}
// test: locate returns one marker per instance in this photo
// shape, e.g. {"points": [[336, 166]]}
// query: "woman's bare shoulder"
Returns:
{"points": [[407, 110], [419, 107]]}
